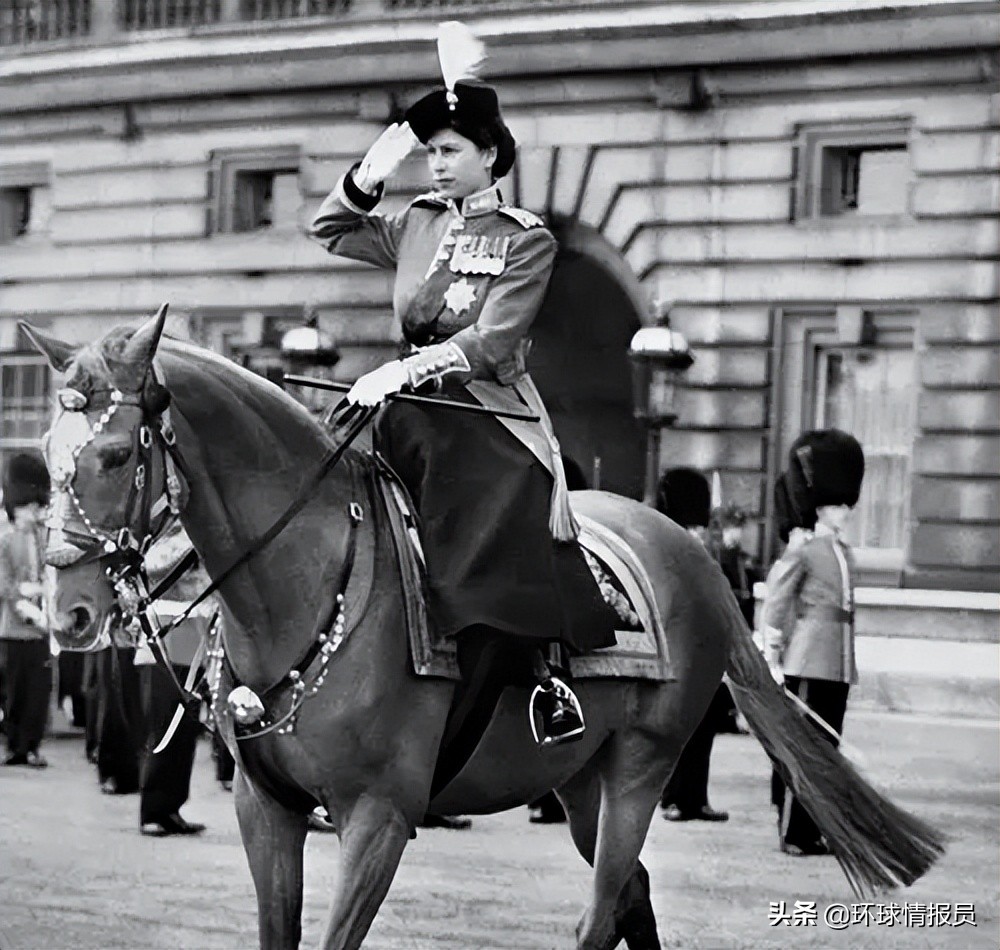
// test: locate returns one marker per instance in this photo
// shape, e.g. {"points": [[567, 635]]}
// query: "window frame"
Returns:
{"points": [[24, 357], [26, 176], [800, 334], [243, 334], [227, 164], [815, 141]]}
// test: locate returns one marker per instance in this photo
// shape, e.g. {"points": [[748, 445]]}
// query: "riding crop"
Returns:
{"points": [[315, 383]]}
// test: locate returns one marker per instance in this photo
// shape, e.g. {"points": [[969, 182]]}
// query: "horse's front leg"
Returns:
{"points": [[372, 838], [274, 839]]}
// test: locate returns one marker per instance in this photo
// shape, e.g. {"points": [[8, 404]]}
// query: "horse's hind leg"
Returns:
{"points": [[273, 839], [372, 838], [632, 918]]}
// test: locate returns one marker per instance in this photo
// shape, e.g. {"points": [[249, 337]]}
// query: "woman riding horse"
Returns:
{"points": [[470, 275], [149, 426]]}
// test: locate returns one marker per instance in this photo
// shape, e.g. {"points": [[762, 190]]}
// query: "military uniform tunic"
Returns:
{"points": [[809, 615], [808, 621], [473, 275]]}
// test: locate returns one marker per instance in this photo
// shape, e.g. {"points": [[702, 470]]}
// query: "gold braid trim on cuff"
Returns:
{"points": [[433, 362]]}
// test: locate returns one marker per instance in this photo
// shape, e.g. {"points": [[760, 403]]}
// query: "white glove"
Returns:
{"points": [[373, 387], [385, 156], [774, 665], [29, 613], [30, 589]]}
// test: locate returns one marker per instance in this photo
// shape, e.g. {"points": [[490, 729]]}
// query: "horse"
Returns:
{"points": [[156, 418]]}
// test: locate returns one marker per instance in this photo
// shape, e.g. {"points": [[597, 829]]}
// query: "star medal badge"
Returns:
{"points": [[459, 296]]}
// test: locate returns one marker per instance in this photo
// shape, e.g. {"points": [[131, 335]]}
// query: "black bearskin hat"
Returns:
{"points": [[685, 497], [25, 480], [474, 114], [831, 464], [793, 507]]}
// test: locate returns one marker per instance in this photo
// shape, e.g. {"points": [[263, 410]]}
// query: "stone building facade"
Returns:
{"points": [[810, 188]]}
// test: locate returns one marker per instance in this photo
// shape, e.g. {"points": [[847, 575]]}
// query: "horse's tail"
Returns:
{"points": [[878, 844]]}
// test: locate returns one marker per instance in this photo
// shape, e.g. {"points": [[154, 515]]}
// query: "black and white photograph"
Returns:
{"points": [[499, 474]]}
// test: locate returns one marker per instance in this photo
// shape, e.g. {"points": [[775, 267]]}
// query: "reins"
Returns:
{"points": [[330, 458], [331, 631], [124, 549], [331, 635]]}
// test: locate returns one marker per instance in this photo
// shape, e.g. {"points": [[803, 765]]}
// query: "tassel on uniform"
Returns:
{"points": [[539, 438], [562, 522], [877, 844]]}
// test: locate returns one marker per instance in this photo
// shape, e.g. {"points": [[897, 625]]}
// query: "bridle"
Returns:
{"points": [[146, 518]]}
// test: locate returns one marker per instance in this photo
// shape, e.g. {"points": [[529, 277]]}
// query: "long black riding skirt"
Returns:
{"points": [[483, 501]]}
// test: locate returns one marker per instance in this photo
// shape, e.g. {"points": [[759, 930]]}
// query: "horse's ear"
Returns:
{"points": [[59, 354], [142, 346]]}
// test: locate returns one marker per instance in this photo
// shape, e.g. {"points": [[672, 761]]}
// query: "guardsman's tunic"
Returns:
{"points": [[25, 658], [470, 279], [808, 621], [809, 615]]}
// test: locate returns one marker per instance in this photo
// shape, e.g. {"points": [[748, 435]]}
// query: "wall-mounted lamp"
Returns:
{"points": [[308, 345], [659, 356]]}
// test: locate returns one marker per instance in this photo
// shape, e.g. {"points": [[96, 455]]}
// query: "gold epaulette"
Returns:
{"points": [[527, 219]]}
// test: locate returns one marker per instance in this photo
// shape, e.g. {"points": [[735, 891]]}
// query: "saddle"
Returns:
{"points": [[641, 650]]}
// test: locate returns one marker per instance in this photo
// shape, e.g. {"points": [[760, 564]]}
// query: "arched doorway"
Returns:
{"points": [[579, 357]]}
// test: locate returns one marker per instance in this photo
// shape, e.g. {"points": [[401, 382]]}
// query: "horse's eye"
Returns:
{"points": [[114, 456]]}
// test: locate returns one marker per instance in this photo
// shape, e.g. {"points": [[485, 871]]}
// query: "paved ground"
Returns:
{"points": [[74, 873]]}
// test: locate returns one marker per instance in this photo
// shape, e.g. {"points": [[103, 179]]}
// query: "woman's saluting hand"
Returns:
{"points": [[385, 156]]}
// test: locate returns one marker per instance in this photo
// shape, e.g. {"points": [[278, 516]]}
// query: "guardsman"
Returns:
{"points": [[166, 775], [25, 657], [685, 497], [470, 275], [736, 563], [808, 616]]}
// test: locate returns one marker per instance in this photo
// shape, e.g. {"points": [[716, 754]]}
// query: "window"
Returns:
{"points": [[15, 213], [21, 188], [219, 331], [254, 190], [868, 391], [853, 171], [864, 181], [251, 338], [856, 369], [24, 401]]}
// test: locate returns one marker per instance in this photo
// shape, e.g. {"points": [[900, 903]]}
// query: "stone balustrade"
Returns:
{"points": [[32, 23]]}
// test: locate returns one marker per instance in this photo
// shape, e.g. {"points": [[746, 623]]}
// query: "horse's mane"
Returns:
{"points": [[249, 409]]}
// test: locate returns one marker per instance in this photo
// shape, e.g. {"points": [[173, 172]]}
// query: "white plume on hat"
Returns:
{"points": [[461, 54]]}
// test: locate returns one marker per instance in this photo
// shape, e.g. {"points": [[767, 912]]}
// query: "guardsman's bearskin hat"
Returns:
{"points": [[788, 515], [825, 467], [465, 104], [685, 497], [25, 480]]}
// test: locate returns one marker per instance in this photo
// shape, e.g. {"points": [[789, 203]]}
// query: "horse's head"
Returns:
{"points": [[114, 483]]}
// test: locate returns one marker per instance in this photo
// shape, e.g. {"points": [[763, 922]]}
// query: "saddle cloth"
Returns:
{"points": [[638, 654]]}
